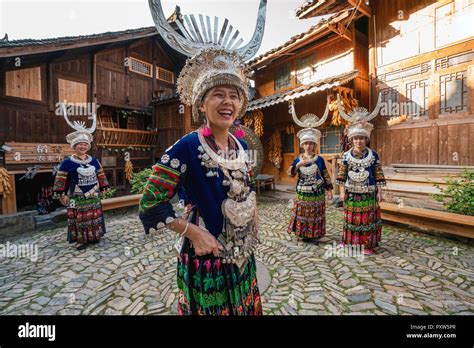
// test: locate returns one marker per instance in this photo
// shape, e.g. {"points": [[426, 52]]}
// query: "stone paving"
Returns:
{"points": [[128, 273]]}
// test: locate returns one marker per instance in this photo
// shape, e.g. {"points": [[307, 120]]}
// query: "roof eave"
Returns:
{"points": [[38, 49], [318, 32]]}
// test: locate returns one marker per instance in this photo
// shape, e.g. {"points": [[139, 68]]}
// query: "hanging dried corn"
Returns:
{"points": [[248, 119], [128, 170], [5, 184], [258, 123], [255, 119], [348, 103], [275, 149]]}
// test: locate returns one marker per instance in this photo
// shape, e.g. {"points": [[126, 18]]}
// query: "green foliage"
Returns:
{"points": [[139, 180], [110, 193], [458, 196]]}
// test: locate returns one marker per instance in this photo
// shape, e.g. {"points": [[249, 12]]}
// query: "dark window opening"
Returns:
{"points": [[288, 142], [282, 77]]}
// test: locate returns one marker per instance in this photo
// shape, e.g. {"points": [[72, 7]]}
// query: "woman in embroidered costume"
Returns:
{"points": [[308, 218], [360, 178], [209, 167], [79, 180]]}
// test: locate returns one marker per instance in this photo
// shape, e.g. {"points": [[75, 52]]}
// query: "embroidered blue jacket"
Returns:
{"points": [[321, 174], [179, 171], [68, 177]]}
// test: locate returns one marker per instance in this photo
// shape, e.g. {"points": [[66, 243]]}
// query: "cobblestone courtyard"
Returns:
{"points": [[128, 273]]}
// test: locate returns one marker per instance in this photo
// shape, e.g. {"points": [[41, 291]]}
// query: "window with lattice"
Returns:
{"points": [[330, 140], [417, 98], [168, 117], [305, 70], [288, 141], [282, 77], [453, 92], [140, 67], [164, 75]]}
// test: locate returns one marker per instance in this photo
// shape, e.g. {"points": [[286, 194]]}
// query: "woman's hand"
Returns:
{"points": [[64, 200], [204, 242], [329, 194], [379, 196], [301, 163], [343, 195]]}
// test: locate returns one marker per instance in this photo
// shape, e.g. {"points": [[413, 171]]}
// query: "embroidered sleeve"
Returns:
{"points": [[378, 171], [155, 209], [292, 170], [326, 176], [103, 182], [342, 173], [60, 181]]}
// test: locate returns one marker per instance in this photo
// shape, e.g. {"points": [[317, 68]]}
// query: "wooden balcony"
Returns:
{"points": [[116, 137]]}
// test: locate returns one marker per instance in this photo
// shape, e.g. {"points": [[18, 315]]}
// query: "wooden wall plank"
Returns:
{"points": [[72, 91], [24, 83], [443, 145]]}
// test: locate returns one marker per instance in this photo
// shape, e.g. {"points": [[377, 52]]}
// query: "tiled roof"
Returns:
{"points": [[303, 90], [320, 7], [301, 36], [74, 39]]}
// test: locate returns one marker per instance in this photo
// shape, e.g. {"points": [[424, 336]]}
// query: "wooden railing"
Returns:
{"points": [[332, 165], [116, 137]]}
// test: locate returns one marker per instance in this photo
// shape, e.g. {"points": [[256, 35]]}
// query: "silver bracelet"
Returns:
{"points": [[185, 230]]}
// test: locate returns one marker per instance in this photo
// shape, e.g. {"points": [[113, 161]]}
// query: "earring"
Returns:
{"points": [[238, 131], [206, 130]]}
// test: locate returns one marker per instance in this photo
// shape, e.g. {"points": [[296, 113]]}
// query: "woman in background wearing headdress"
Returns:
{"points": [[78, 184], [308, 218], [360, 178]]}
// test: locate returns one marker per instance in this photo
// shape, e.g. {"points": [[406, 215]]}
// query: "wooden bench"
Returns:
{"points": [[262, 180], [461, 225], [120, 202]]}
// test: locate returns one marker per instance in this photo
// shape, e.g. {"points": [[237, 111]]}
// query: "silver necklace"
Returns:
{"points": [[361, 161], [235, 164], [87, 160]]}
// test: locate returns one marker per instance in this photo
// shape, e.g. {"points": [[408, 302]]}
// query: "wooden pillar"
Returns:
{"points": [[470, 90], [372, 62]]}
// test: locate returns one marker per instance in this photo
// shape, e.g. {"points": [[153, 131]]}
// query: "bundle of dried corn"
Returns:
{"points": [[348, 103], [5, 184], [128, 170], [255, 119], [275, 149]]}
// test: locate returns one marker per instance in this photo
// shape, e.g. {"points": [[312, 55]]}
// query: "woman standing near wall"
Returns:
{"points": [[79, 183], [308, 218]]}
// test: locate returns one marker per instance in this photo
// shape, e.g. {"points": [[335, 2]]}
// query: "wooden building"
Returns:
{"points": [[129, 76], [330, 57], [418, 54]]}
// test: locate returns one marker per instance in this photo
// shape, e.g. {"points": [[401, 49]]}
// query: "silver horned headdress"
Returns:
{"points": [[82, 134], [310, 122], [359, 118], [216, 59]]}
